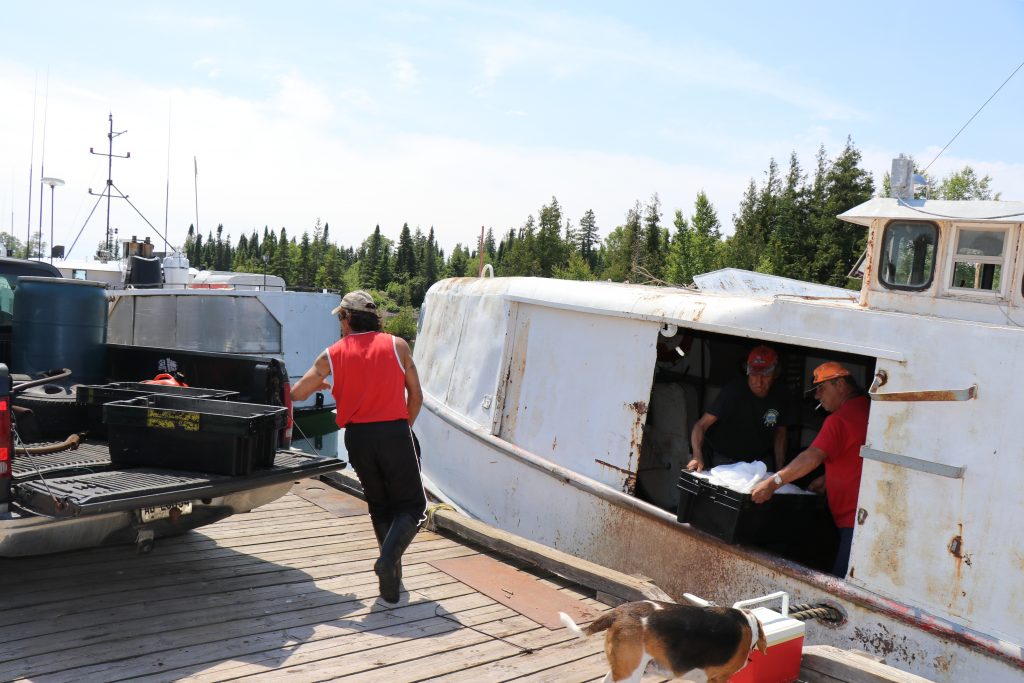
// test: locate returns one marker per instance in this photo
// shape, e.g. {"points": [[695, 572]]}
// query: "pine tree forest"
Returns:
{"points": [[786, 225]]}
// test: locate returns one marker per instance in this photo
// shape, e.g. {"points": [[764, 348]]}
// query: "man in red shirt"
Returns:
{"points": [[377, 396], [838, 446]]}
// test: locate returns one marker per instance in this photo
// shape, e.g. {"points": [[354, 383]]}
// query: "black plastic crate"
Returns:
{"points": [[199, 435], [735, 518], [95, 396]]}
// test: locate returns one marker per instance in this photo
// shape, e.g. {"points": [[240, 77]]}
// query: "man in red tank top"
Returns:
{"points": [[377, 395]]}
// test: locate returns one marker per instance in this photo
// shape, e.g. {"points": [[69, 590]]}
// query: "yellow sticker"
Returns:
{"points": [[172, 419]]}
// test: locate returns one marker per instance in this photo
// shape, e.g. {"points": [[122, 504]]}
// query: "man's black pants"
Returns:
{"points": [[386, 460]]}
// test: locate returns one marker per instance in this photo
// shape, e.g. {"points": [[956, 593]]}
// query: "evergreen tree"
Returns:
{"points": [[405, 257], [369, 267], [588, 238], [549, 250], [281, 263], [678, 266], [787, 251], [653, 259], [305, 267], [840, 244], [458, 263], [706, 238]]}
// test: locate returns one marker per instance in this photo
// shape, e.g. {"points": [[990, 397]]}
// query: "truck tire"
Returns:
{"points": [[57, 413]]}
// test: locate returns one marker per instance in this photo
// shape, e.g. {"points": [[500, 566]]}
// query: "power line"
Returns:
{"points": [[972, 118]]}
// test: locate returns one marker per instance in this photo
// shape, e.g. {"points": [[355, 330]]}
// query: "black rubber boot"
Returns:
{"points": [[380, 530], [389, 567]]}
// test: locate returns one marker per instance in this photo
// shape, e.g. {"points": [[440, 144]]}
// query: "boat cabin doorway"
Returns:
{"points": [[693, 369]]}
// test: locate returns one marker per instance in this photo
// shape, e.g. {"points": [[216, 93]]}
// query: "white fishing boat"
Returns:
{"points": [[543, 416]]}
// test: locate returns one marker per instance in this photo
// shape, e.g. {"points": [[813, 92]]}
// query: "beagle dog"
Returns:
{"points": [[711, 643]]}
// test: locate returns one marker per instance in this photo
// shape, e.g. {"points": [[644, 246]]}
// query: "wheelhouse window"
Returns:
{"points": [[78, 274], [908, 255], [978, 258]]}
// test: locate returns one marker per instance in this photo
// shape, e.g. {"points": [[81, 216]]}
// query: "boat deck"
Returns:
{"points": [[284, 592]]}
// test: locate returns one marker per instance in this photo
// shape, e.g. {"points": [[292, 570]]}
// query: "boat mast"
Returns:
{"points": [[110, 170]]}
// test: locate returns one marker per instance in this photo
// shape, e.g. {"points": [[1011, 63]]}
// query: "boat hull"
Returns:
{"points": [[525, 494]]}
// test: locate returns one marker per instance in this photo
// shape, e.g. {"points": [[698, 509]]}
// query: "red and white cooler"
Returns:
{"points": [[785, 637]]}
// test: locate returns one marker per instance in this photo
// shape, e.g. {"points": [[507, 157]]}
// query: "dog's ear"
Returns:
{"points": [[762, 641]]}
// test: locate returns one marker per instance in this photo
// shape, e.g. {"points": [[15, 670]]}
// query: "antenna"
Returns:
{"points": [[110, 170], [31, 160], [42, 170], [167, 192], [195, 164]]}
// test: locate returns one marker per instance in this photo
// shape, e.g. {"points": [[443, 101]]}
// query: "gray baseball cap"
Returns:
{"points": [[356, 301]]}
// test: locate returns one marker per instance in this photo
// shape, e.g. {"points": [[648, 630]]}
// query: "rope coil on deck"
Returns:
{"points": [[821, 612]]}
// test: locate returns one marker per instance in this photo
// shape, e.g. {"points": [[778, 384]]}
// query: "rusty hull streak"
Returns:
{"points": [[886, 643], [636, 435], [892, 515]]}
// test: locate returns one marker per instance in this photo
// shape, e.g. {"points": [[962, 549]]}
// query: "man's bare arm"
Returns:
{"points": [[697, 441], [314, 380], [414, 393]]}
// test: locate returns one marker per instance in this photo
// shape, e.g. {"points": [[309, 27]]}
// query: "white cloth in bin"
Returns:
{"points": [[742, 477]]}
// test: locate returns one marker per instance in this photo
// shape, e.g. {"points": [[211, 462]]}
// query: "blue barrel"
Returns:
{"points": [[60, 323]]}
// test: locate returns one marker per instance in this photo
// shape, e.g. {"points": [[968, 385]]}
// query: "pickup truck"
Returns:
{"points": [[60, 490]]}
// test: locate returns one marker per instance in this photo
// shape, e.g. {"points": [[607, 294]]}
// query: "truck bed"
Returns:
{"points": [[83, 482]]}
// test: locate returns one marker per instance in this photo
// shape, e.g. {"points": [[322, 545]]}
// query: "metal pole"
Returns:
{"points": [[52, 190]]}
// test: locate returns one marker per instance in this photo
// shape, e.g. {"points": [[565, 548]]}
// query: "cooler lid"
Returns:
{"points": [[777, 628]]}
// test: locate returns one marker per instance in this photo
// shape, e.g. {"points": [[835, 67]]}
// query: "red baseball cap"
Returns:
{"points": [[826, 371], [762, 361]]}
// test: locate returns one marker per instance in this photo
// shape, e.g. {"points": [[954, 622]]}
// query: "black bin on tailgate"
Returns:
{"points": [[195, 434], [95, 396]]}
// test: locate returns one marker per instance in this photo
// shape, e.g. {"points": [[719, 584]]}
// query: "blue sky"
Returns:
{"points": [[461, 114]]}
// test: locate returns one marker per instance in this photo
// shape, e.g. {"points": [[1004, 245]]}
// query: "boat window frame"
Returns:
{"points": [[1003, 261], [883, 248]]}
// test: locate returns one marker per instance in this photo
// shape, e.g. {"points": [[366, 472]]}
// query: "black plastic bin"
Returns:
{"points": [[95, 396], [735, 518], [194, 434]]}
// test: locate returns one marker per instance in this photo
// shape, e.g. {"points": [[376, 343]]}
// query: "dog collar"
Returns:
{"points": [[754, 628]]}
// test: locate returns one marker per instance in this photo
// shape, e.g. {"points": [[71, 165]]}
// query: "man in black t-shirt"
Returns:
{"points": [[746, 423]]}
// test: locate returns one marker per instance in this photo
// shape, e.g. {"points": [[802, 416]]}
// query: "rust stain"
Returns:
{"points": [[699, 312], [887, 643], [636, 435], [865, 284], [513, 382], [612, 467], [892, 525]]}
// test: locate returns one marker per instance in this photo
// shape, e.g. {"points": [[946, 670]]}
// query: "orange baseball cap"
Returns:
{"points": [[826, 371]]}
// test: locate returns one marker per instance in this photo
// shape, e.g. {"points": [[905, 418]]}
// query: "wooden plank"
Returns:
{"points": [[519, 591], [581, 571], [252, 654], [825, 664], [286, 591], [296, 624], [622, 587]]}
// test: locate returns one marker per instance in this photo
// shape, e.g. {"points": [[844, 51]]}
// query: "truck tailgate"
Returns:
{"points": [[67, 494]]}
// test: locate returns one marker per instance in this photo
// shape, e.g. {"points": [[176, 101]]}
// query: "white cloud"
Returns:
{"points": [[404, 73], [208, 65], [199, 22]]}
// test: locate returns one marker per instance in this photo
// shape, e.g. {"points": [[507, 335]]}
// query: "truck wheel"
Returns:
{"points": [[57, 414]]}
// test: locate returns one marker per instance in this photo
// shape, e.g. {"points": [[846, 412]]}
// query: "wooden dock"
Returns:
{"points": [[284, 592]]}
